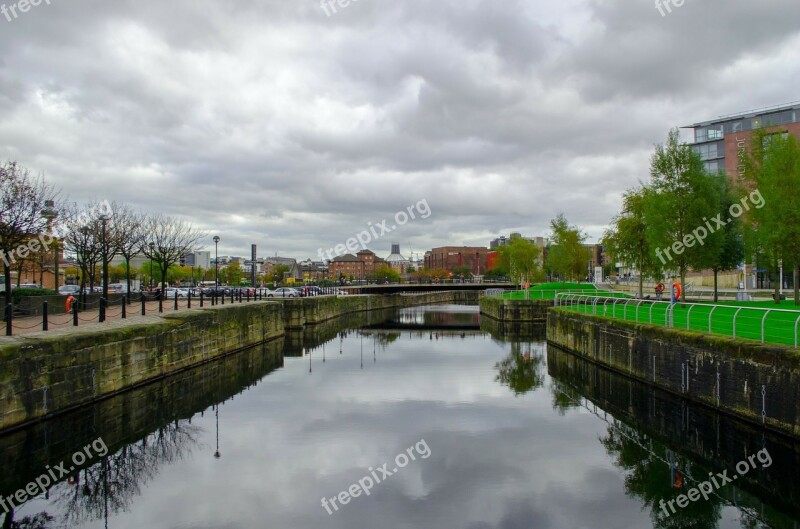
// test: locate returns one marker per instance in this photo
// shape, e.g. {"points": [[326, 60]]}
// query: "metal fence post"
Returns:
{"points": [[124, 307], [176, 300], [144, 305], [201, 299], [9, 324], [795, 331], [74, 313], [102, 317], [44, 315], [734, 322], [189, 301]]}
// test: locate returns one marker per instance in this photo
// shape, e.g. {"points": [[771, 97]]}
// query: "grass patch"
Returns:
{"points": [[752, 321]]}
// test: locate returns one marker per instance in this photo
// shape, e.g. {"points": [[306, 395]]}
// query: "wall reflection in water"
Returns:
{"points": [[667, 445]]}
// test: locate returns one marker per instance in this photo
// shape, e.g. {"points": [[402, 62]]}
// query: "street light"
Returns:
{"points": [[50, 213], [216, 262]]}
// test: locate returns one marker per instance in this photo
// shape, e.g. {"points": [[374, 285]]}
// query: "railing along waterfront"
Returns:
{"points": [[767, 325]]}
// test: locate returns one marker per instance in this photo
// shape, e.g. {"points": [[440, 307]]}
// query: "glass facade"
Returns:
{"points": [[709, 136]]}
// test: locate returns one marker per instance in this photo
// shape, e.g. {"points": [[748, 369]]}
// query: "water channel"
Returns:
{"points": [[421, 418]]}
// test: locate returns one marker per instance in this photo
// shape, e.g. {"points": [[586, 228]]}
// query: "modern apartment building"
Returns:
{"points": [[723, 142]]}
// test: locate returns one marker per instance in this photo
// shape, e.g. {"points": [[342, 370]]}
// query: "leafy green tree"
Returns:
{"points": [[496, 273], [275, 275], [684, 197], [627, 240], [773, 170], [521, 258], [233, 273], [567, 258], [385, 273], [724, 249]]}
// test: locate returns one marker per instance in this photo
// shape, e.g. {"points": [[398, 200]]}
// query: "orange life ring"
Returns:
{"points": [[677, 287], [68, 304]]}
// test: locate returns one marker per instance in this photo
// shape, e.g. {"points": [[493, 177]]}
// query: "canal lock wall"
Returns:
{"points": [[48, 373], [515, 310], [755, 382]]}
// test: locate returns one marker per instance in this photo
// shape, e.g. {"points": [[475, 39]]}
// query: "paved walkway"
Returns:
{"points": [[89, 319]]}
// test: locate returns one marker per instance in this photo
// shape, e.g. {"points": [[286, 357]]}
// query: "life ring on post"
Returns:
{"points": [[68, 304], [678, 290]]}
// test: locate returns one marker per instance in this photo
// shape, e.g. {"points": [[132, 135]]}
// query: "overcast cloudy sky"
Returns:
{"points": [[271, 122]]}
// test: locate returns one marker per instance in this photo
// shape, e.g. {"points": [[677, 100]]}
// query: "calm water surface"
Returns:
{"points": [[505, 434]]}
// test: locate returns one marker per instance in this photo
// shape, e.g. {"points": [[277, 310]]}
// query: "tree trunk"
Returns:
{"points": [[776, 293], [641, 275], [795, 277], [7, 278], [128, 276], [683, 284], [716, 285]]}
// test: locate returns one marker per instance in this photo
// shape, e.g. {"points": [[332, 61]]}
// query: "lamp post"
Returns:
{"points": [[50, 213], [216, 262], [152, 249]]}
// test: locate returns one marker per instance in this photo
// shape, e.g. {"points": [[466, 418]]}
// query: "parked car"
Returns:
{"points": [[69, 290], [283, 292], [169, 293], [310, 290]]}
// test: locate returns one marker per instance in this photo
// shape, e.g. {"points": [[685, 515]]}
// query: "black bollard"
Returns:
{"points": [[44, 315]]}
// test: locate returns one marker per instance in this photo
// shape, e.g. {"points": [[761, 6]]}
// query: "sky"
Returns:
{"points": [[294, 127]]}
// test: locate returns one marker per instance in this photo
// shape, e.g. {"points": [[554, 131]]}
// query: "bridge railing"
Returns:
{"points": [[767, 325]]}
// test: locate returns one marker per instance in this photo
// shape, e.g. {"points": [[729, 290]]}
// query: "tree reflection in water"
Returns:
{"points": [[110, 485], [523, 369]]}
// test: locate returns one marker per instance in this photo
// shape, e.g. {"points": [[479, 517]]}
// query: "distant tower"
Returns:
{"points": [[395, 248]]}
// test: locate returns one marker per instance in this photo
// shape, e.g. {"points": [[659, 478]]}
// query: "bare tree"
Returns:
{"points": [[166, 240], [81, 233], [128, 235], [22, 199]]}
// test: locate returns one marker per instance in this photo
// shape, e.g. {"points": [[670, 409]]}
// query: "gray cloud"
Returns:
{"points": [[270, 122]]}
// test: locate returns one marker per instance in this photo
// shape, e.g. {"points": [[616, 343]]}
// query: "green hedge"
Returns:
{"points": [[19, 293]]}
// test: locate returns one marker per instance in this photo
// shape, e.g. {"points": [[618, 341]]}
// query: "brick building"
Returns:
{"points": [[449, 258], [347, 266]]}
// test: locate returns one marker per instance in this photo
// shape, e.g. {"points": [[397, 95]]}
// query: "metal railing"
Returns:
{"points": [[104, 309], [771, 325]]}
